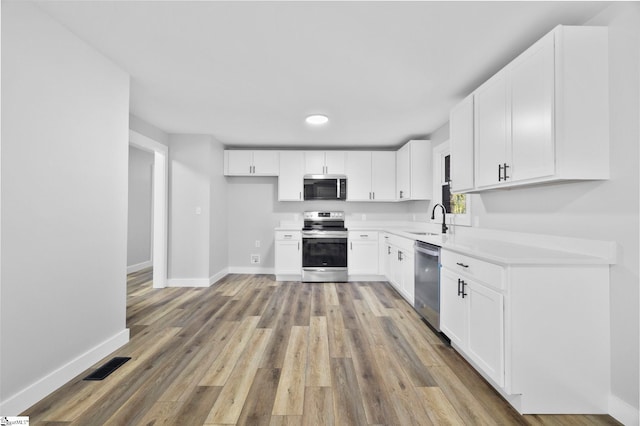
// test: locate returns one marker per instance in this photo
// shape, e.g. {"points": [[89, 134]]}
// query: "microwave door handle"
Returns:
{"points": [[338, 187]]}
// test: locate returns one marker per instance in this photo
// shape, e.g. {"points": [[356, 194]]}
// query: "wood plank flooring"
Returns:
{"points": [[253, 351]]}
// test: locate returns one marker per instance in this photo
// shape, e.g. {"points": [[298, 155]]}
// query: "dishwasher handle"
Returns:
{"points": [[428, 250]]}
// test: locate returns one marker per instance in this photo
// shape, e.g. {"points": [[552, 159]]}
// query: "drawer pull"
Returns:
{"points": [[462, 264], [288, 236], [364, 236]]}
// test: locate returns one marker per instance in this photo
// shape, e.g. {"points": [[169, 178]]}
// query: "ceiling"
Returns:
{"points": [[249, 72]]}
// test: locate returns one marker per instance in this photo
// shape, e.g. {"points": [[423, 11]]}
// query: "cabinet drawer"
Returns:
{"points": [[363, 236], [288, 236], [405, 244], [488, 273]]}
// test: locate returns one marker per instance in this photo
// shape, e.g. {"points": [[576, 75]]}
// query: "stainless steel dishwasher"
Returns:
{"points": [[427, 283]]}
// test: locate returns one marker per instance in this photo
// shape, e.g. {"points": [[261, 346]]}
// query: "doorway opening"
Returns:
{"points": [[159, 184]]}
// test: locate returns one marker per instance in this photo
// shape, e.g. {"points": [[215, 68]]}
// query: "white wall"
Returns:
{"points": [[218, 230], [139, 235], [149, 130], [606, 210], [254, 212], [64, 206], [197, 241], [189, 176]]}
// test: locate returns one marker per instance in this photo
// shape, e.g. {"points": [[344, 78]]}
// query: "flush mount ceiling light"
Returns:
{"points": [[317, 119]]}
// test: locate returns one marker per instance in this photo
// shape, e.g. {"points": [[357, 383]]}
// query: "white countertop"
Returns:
{"points": [[496, 251]]}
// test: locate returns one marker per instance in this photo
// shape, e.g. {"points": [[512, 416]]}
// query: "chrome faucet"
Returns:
{"points": [[444, 217]]}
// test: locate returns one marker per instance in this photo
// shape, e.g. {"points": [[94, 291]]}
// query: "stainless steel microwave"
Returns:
{"points": [[325, 187]]}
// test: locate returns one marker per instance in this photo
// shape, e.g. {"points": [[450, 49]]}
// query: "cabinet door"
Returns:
{"points": [[239, 162], [266, 163], [453, 310], [492, 132], [403, 173], [288, 259], [383, 175], [383, 255], [486, 330], [408, 275], [290, 179], [461, 139], [393, 268], [335, 163], [314, 162], [359, 176], [363, 255], [532, 112]]}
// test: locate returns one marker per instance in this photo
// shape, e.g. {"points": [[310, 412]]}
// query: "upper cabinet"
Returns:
{"points": [[414, 177], [324, 162], [290, 180], [542, 118], [461, 139], [251, 163], [371, 175]]}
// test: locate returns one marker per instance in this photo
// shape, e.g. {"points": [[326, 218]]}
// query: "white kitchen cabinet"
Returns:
{"points": [[251, 163], [461, 131], [492, 131], [414, 176], [363, 253], [383, 175], [545, 116], [383, 254], [371, 175], [532, 100], [522, 326], [288, 255], [485, 332], [291, 177], [399, 264], [453, 309], [358, 171], [324, 162], [473, 311]]}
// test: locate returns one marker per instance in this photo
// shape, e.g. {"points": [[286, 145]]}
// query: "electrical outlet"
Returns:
{"points": [[257, 243], [255, 258]]}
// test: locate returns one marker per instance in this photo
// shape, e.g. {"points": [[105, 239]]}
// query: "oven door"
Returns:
{"points": [[324, 249]]}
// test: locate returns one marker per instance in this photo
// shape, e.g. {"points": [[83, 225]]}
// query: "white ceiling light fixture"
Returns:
{"points": [[317, 119]]}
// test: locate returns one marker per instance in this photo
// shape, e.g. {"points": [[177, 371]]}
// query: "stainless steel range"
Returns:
{"points": [[324, 247]]}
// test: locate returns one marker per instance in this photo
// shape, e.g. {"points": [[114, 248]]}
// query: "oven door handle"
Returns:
{"points": [[324, 234]]}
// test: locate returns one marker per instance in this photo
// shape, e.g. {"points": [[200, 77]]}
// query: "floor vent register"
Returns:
{"points": [[108, 368]]}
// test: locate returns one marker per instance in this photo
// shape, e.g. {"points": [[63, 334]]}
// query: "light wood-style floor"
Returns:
{"points": [[253, 351]]}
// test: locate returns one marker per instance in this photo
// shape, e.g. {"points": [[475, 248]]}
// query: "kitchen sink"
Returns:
{"points": [[420, 233]]}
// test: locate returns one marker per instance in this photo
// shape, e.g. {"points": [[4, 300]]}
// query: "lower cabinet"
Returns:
{"points": [[536, 332], [399, 265], [288, 256], [362, 258], [472, 317]]}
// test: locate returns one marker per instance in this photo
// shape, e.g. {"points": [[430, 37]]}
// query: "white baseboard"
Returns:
{"points": [[198, 282], [139, 266], [188, 282], [623, 412], [250, 270], [376, 278], [24, 399], [218, 276]]}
